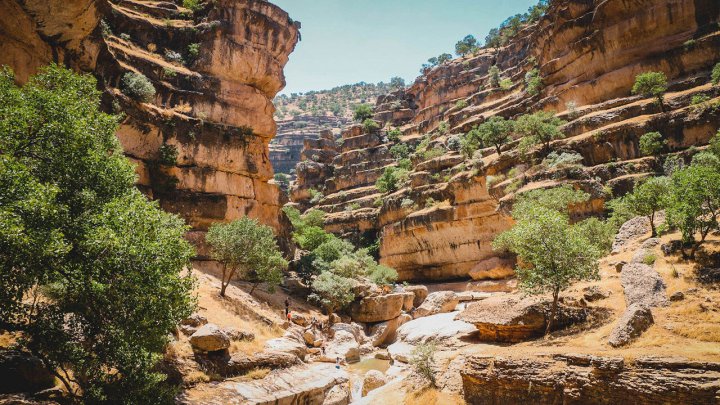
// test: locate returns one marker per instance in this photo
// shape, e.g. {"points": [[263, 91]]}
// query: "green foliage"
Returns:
{"points": [[533, 82], [400, 151], [105, 28], [651, 143], [370, 125], [282, 180], [168, 154], [248, 250], [404, 164], [494, 75], [563, 159], [557, 199], [169, 73], [393, 135], [311, 237], [391, 179], [383, 275], [694, 205], [599, 233], [715, 75], [505, 84], [423, 360], [138, 87], [554, 253], [442, 127], [193, 51], [397, 82], [333, 291], [461, 104], [431, 153], [315, 196], [362, 112], [540, 127], [71, 218], [125, 37], [193, 5], [467, 46], [493, 132], [651, 84], [649, 259]]}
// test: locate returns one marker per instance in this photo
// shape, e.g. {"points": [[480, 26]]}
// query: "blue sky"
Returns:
{"points": [[346, 41]]}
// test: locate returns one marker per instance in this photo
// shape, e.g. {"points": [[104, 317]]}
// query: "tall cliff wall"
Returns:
{"points": [[440, 224], [215, 72]]}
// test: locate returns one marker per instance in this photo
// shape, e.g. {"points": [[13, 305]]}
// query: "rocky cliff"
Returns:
{"points": [[201, 142], [440, 224]]}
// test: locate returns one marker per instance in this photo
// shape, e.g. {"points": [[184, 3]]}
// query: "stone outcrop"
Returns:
{"points": [[440, 223], [512, 318], [437, 303], [286, 149], [373, 379], [209, 338], [213, 107], [583, 379], [383, 333], [635, 320], [438, 328], [642, 285], [22, 372], [420, 292], [377, 308]]}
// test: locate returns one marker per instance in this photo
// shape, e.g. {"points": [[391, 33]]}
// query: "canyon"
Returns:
{"points": [[206, 146]]}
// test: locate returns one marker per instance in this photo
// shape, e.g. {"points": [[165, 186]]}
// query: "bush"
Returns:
{"points": [[362, 112], [454, 143], [554, 159], [540, 127], [173, 56], [193, 5], [461, 104], [422, 359], [193, 50], [125, 37], [168, 154], [406, 203], [505, 84], [315, 196], [494, 76], [383, 275], [649, 259], [432, 153], [393, 135], [651, 143], [138, 87], [651, 84], [370, 125], [715, 75], [391, 179], [400, 151], [533, 82]]}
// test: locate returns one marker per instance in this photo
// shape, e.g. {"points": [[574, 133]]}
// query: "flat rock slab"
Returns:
{"points": [[636, 320], [439, 327], [296, 385], [643, 285]]}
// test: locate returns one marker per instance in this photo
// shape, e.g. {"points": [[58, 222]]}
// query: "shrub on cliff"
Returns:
{"points": [[554, 254], [467, 46], [370, 125], [715, 75], [423, 360], [393, 135], [651, 84], [493, 132], [92, 271], [362, 112], [247, 249], [494, 76], [391, 179], [651, 143], [648, 198], [540, 127], [400, 151], [533, 82], [138, 87]]}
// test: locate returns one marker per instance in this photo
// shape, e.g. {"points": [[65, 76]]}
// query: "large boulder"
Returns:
{"points": [[291, 342], [191, 324], [513, 318], [338, 395], [408, 301], [343, 345], [493, 268], [438, 328], [377, 308], [373, 379], [385, 332], [642, 285], [22, 372], [636, 320], [437, 303], [420, 292], [240, 363], [209, 338], [634, 229]]}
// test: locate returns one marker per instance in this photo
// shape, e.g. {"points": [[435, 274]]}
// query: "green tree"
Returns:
{"points": [[247, 249], [100, 265], [533, 82], [397, 82], [283, 181], [651, 84], [311, 237], [400, 151], [554, 254], [362, 112], [715, 76], [495, 131], [383, 275], [333, 291], [540, 127], [494, 75], [648, 198], [391, 179], [694, 203], [370, 125], [494, 39], [423, 360], [466, 46], [651, 143]]}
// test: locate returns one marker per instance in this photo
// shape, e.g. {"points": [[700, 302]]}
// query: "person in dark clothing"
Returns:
{"points": [[287, 306]]}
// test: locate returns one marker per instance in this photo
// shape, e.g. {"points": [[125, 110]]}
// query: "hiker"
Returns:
{"points": [[287, 306], [337, 363]]}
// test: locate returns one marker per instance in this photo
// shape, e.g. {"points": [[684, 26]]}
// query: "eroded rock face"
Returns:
{"points": [[512, 318], [378, 308], [437, 303], [582, 379], [373, 379], [215, 109]]}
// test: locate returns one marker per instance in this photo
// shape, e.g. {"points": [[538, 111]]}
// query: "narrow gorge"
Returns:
{"points": [[532, 220]]}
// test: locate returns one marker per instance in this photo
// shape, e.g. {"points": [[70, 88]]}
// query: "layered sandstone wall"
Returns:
{"points": [[214, 108], [441, 223]]}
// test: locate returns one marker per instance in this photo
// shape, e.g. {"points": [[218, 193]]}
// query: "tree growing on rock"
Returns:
{"points": [[247, 249], [423, 360], [554, 254], [362, 112], [91, 271], [467, 46], [391, 179], [651, 84], [541, 127], [495, 131], [494, 76], [333, 291], [648, 198], [651, 143]]}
